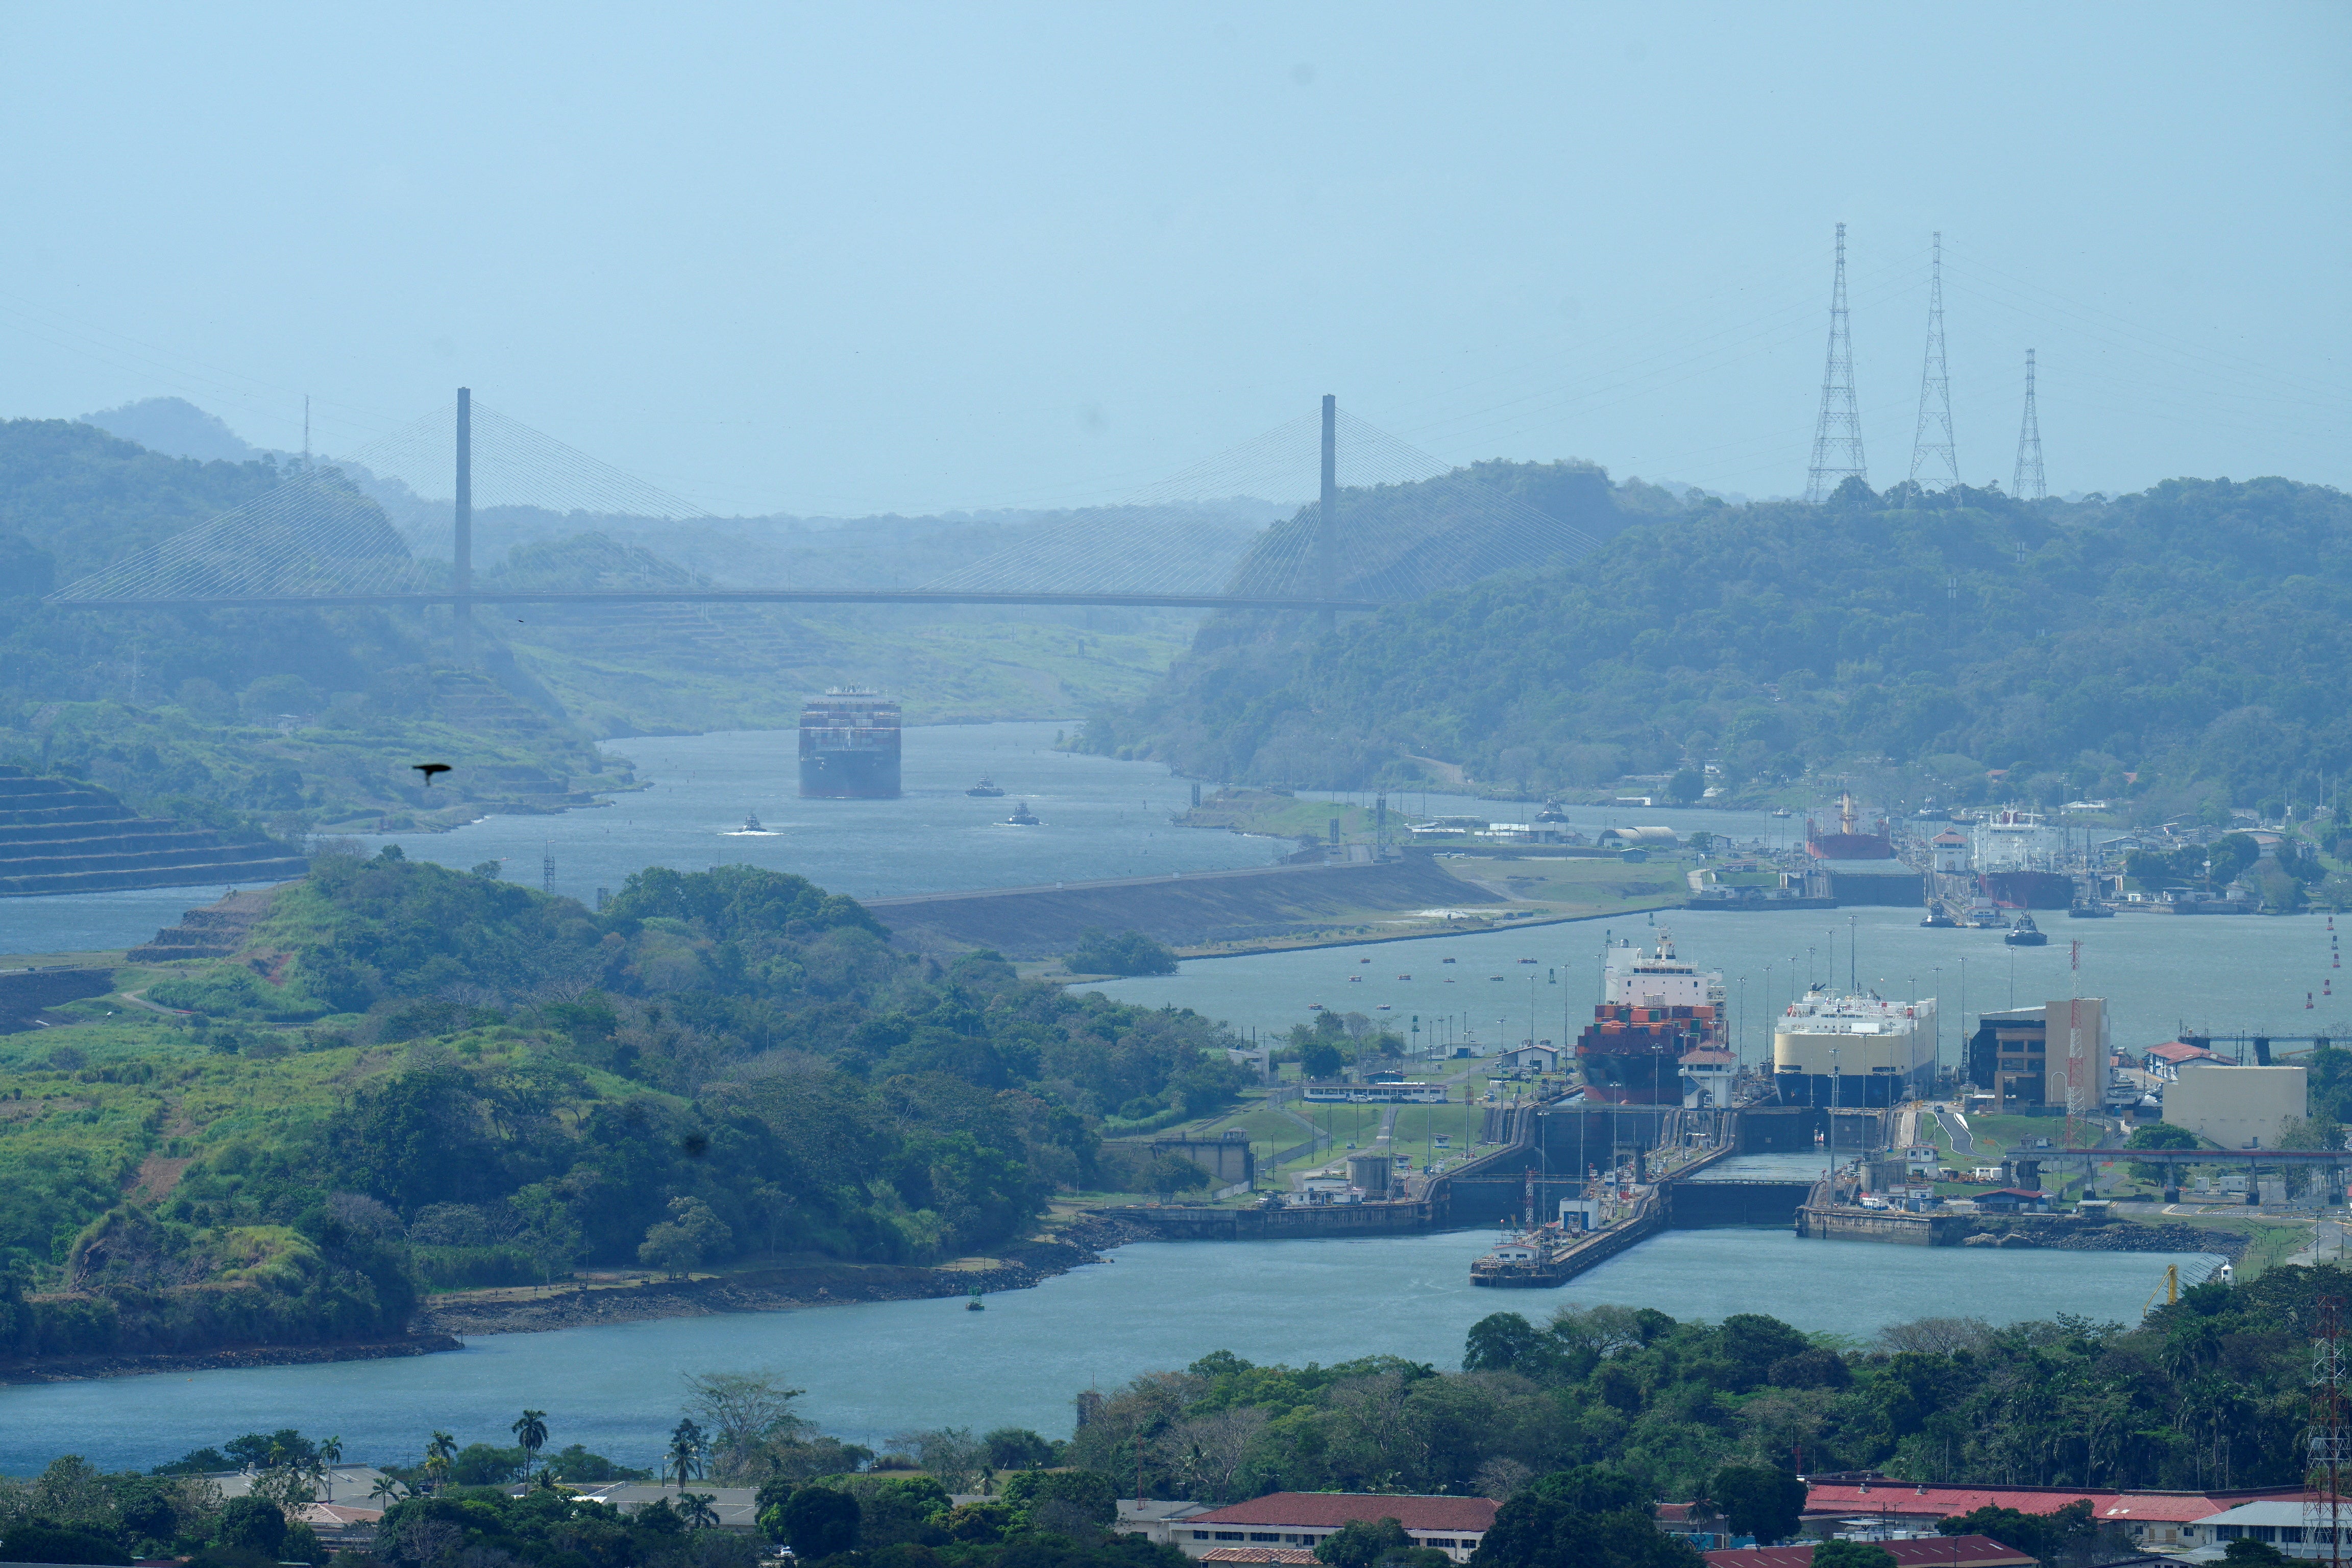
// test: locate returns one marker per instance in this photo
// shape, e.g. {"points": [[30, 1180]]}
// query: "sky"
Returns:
{"points": [[842, 258]]}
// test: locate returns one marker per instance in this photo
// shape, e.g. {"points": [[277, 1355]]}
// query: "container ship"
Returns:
{"points": [[849, 746], [1656, 1008], [1850, 1052]]}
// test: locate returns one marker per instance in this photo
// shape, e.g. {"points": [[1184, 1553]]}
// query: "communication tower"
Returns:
{"points": [[547, 867], [2028, 483], [2323, 1509], [1931, 443], [1837, 435]]}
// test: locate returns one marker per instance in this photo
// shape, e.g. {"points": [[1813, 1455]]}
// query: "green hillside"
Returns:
{"points": [[2182, 648], [412, 1076]]}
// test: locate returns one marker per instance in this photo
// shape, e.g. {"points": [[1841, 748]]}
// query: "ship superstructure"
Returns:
{"points": [[1852, 1051], [1656, 1008], [2019, 860], [849, 746]]}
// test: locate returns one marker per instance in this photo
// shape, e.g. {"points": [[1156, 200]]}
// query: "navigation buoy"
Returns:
{"points": [[2307, 1002]]}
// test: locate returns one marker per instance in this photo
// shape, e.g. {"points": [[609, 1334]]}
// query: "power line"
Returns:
{"points": [[2027, 483], [1837, 434], [1931, 443]]}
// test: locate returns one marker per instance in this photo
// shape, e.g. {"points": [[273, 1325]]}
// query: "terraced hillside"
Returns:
{"points": [[59, 837]]}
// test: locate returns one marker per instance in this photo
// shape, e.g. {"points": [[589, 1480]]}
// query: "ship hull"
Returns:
{"points": [[860, 774], [1629, 1079], [1849, 1091], [2028, 890]]}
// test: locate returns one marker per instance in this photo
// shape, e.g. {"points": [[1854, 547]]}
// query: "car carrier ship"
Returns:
{"points": [[849, 746], [1851, 1052]]}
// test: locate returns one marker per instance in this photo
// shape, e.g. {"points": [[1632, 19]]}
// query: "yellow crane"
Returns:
{"points": [[2169, 1289]]}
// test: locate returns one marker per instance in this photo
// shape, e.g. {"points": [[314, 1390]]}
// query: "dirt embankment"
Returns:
{"points": [[773, 1290]]}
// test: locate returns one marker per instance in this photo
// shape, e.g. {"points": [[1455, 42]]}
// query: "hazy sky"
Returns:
{"points": [[836, 258]]}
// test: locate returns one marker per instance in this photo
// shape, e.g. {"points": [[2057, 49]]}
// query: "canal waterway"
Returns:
{"points": [[874, 1369], [1097, 818], [2160, 974]]}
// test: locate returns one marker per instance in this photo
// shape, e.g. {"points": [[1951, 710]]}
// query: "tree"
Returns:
{"points": [[30, 1540], [1536, 1531], [2156, 1135], [691, 1235], [386, 1492], [1686, 787], [1128, 953], [814, 1522], [331, 1453], [746, 1414], [1837, 1553], [695, 1509], [1016, 1448], [2245, 1553], [530, 1430], [251, 1524], [2047, 1536], [1363, 1543], [1759, 1500], [684, 1456]]}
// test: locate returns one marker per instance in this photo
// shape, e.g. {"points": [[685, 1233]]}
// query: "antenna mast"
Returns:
{"points": [[2321, 1509], [1931, 443], [2028, 483], [1837, 435]]}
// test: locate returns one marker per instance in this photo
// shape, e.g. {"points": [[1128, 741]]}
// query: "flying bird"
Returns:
{"points": [[429, 769]]}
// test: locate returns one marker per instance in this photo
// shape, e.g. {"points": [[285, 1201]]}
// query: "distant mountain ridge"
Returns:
{"points": [[2183, 648]]}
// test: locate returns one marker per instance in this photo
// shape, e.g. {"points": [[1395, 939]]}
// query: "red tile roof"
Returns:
{"points": [[1329, 1510], [1942, 1552], [1908, 1499], [1259, 1555], [2177, 1051]]}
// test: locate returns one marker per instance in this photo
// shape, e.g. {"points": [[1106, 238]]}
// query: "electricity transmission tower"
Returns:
{"points": [[2028, 483], [1837, 437], [1931, 443], [2323, 1507]]}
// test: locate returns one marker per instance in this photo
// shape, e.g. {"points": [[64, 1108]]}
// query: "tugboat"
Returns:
{"points": [[1021, 815], [2089, 909], [1782, 812], [1937, 919], [973, 1303], [752, 823], [1530, 1258], [2025, 934], [986, 789], [1551, 813]]}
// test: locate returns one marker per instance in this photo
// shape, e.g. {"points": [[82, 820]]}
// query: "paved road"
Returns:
{"points": [[1963, 1140]]}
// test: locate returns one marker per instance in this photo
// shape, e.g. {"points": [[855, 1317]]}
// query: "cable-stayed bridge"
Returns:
{"points": [[1362, 519]]}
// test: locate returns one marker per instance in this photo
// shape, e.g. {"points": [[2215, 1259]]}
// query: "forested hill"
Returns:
{"points": [[2193, 636], [411, 1075]]}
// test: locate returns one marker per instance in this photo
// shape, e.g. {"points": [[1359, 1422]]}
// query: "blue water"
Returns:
{"points": [[1097, 818], [872, 1370]]}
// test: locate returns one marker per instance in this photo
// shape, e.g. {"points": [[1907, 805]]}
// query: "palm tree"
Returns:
{"points": [[385, 1492], [331, 1453], [686, 1452], [696, 1509], [437, 1454], [531, 1433]]}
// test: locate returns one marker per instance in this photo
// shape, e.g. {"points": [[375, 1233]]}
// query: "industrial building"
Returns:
{"points": [[2237, 1107], [2019, 1055]]}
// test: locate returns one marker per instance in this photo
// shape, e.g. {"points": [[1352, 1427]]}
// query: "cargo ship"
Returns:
{"points": [[2019, 859], [1655, 1009], [849, 746], [1852, 1051]]}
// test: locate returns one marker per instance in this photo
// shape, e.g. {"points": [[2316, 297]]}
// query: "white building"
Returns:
{"points": [[2237, 1107], [2285, 1524]]}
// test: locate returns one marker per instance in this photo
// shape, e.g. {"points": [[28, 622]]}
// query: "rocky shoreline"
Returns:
{"points": [[81, 1368], [818, 1284], [2110, 1236]]}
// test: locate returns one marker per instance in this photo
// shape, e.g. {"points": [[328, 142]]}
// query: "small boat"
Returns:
{"points": [[1986, 918], [1551, 813], [987, 788], [752, 823], [1021, 815], [1533, 1258], [1937, 919], [2089, 909], [973, 1303], [1782, 812], [2025, 934]]}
